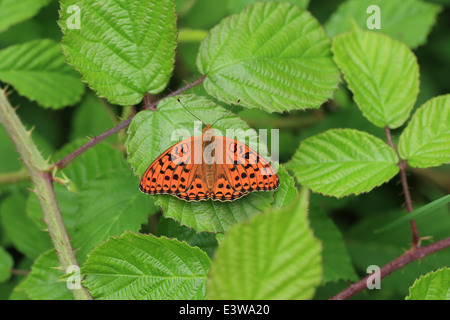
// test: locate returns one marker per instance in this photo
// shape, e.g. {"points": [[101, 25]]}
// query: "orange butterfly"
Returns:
{"points": [[232, 171]]}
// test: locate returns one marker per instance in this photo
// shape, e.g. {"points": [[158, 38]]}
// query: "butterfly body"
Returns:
{"points": [[209, 167]]}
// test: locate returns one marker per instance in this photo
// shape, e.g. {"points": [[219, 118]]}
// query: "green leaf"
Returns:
{"points": [[23, 232], [340, 162], [150, 134], [37, 70], [428, 208], [425, 142], [432, 286], [108, 206], [408, 21], [286, 192], [336, 261], [43, 281], [121, 50], [272, 257], [235, 6], [375, 67], [6, 264], [13, 11], [172, 229], [272, 56], [141, 267]]}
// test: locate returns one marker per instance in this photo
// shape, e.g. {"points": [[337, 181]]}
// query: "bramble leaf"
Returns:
{"points": [[273, 256], [425, 142], [340, 162], [122, 50], [37, 70], [272, 56], [408, 21], [432, 286], [142, 267], [382, 73]]}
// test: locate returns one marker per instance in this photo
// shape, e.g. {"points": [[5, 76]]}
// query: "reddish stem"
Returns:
{"points": [[404, 181], [394, 265]]}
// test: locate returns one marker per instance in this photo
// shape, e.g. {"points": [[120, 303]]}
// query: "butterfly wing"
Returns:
{"points": [[197, 191], [223, 190], [245, 169], [173, 171]]}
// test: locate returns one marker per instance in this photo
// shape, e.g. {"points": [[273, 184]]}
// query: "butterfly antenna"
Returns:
{"points": [[178, 99], [226, 113]]}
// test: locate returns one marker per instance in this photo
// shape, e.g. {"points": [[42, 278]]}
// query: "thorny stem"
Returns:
{"points": [[404, 181], [394, 265], [147, 106], [43, 187]]}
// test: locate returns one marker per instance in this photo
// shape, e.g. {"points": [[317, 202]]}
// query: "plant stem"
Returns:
{"points": [[186, 35], [404, 181], [394, 265], [14, 177], [65, 161], [43, 184]]}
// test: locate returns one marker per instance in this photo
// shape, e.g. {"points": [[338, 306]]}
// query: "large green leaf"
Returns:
{"points": [[43, 281], [272, 56], [23, 232], [408, 21], [150, 134], [13, 11], [141, 267], [108, 206], [273, 256], [432, 286], [382, 73], [235, 6], [123, 49], [425, 142], [6, 264], [340, 162], [37, 70]]}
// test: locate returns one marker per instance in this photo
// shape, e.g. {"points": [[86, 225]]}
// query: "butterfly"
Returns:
{"points": [[228, 172]]}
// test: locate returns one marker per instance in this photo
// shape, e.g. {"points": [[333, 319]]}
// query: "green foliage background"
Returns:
{"points": [[63, 117]]}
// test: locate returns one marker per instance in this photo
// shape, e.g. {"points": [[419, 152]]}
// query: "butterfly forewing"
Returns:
{"points": [[173, 171]]}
